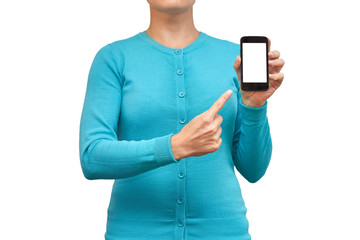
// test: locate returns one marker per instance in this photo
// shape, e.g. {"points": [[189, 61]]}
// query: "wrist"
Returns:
{"points": [[249, 103], [177, 147]]}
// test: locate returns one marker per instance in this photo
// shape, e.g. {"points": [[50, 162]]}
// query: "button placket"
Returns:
{"points": [[180, 199]]}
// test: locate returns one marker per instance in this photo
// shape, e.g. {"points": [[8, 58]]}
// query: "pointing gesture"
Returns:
{"points": [[216, 107], [202, 134]]}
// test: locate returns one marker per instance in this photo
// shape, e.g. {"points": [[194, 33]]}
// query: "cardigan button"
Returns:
{"points": [[182, 120], [179, 71], [181, 94], [178, 51], [181, 174], [180, 200], [180, 223]]}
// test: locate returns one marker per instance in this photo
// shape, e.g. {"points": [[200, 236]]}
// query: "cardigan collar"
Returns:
{"points": [[198, 41]]}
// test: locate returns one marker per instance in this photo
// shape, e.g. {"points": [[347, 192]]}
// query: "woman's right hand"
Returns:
{"points": [[202, 134]]}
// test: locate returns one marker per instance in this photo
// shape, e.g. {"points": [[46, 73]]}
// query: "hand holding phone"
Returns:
{"points": [[257, 80]]}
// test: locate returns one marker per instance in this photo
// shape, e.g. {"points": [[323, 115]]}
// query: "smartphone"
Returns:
{"points": [[254, 63]]}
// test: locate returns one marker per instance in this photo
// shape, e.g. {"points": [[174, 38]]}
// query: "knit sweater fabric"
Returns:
{"points": [[139, 94]]}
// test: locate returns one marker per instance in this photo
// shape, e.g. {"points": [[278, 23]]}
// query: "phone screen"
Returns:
{"points": [[254, 64]]}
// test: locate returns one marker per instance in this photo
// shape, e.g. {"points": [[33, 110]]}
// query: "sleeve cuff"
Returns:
{"points": [[162, 150], [252, 113]]}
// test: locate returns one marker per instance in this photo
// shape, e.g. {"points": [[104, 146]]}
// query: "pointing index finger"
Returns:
{"points": [[216, 107]]}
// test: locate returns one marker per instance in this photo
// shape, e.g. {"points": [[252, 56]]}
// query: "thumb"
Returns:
{"points": [[236, 65]]}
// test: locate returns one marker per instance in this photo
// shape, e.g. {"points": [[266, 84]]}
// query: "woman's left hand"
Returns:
{"points": [[258, 98]]}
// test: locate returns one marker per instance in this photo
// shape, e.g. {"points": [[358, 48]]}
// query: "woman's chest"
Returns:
{"points": [[161, 92]]}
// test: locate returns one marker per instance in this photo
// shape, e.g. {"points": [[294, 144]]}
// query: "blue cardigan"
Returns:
{"points": [[139, 93]]}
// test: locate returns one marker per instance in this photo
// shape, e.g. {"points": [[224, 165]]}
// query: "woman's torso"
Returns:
{"points": [[198, 197]]}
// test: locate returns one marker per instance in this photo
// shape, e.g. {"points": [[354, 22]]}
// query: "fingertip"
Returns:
{"points": [[229, 92]]}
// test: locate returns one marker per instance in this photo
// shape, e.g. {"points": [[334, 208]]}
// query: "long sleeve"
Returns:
{"points": [[102, 155], [252, 145]]}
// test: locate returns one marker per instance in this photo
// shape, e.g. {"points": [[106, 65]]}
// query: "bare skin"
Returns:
{"points": [[172, 25]]}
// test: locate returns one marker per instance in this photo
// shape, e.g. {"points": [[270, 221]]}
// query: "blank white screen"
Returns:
{"points": [[254, 64]]}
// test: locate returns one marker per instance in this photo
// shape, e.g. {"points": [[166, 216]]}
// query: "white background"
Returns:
{"points": [[311, 188]]}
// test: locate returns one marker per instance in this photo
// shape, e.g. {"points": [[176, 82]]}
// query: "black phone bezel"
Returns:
{"points": [[254, 86]]}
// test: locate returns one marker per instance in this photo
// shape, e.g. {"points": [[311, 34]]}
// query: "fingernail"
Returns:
{"points": [[229, 91]]}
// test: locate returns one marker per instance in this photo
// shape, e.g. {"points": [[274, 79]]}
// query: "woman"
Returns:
{"points": [[158, 119]]}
